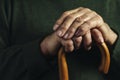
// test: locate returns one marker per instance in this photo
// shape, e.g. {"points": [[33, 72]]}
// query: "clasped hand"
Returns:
{"points": [[82, 25], [77, 26]]}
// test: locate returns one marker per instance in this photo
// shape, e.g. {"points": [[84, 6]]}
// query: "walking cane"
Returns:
{"points": [[104, 66]]}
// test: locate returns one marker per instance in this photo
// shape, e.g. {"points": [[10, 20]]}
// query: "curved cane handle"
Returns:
{"points": [[105, 59], [104, 66]]}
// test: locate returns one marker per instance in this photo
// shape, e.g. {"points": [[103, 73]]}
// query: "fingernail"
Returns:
{"points": [[100, 40], [66, 36], [89, 48], [59, 33], [55, 26]]}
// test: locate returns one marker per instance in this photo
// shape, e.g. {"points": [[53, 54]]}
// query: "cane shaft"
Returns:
{"points": [[104, 66]]}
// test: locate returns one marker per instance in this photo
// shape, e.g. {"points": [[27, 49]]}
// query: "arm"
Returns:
{"points": [[19, 61]]}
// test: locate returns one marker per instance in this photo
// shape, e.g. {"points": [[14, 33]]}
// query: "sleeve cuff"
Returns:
{"points": [[116, 47]]}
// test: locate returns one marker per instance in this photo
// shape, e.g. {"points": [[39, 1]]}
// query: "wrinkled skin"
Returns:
{"points": [[75, 27]]}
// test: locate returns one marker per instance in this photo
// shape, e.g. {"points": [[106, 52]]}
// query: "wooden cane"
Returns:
{"points": [[104, 66]]}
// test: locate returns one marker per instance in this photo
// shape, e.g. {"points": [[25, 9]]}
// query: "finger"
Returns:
{"points": [[69, 20], [83, 29], [97, 35], [68, 45], [87, 40], [94, 22], [78, 22], [64, 15], [77, 42], [70, 32]]}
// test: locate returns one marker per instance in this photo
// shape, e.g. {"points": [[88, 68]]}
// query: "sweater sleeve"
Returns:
{"points": [[18, 61], [22, 59]]}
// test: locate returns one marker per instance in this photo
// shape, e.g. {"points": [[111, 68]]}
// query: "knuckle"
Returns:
{"points": [[86, 15], [87, 9], [66, 13], [77, 40], [58, 22], [79, 19], [69, 43], [71, 31], [89, 23], [63, 27], [93, 12], [100, 20], [81, 8], [99, 17], [70, 16], [82, 29]]}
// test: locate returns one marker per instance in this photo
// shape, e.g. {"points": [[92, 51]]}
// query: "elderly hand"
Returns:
{"points": [[52, 43], [79, 23]]}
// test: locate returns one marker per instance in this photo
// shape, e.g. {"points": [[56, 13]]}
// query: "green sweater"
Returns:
{"points": [[25, 23]]}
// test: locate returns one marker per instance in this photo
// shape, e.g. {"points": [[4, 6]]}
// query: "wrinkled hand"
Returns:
{"points": [[71, 44], [78, 23], [77, 26], [52, 43]]}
